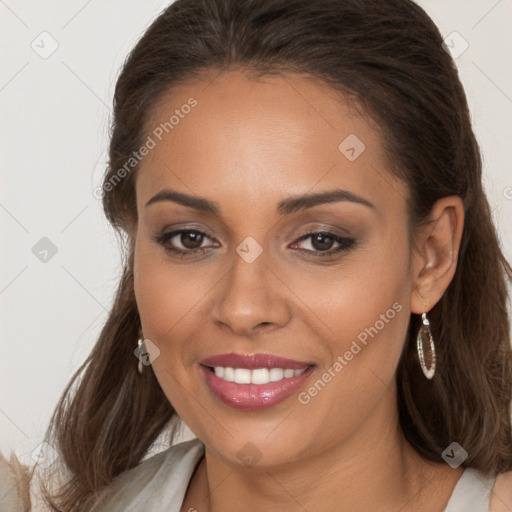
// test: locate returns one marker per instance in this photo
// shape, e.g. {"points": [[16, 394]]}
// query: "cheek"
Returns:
{"points": [[362, 314], [172, 307], [352, 297], [166, 294], [363, 319]]}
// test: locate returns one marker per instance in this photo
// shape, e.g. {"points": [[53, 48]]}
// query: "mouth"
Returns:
{"points": [[258, 376], [254, 381]]}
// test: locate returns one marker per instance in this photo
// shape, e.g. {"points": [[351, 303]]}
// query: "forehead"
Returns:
{"points": [[232, 136]]}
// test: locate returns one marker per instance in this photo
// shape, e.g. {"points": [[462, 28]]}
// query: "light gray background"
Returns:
{"points": [[54, 116]]}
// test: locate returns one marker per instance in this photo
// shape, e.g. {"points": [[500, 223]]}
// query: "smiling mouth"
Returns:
{"points": [[254, 381], [258, 376]]}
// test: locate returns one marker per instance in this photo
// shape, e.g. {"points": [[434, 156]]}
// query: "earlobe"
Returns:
{"points": [[435, 254]]}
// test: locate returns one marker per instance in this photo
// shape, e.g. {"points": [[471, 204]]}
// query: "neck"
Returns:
{"points": [[375, 465]]}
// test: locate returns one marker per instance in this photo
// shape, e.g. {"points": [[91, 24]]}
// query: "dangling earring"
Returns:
{"points": [[425, 329], [140, 352]]}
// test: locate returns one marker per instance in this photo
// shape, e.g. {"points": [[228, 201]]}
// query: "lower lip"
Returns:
{"points": [[254, 396]]}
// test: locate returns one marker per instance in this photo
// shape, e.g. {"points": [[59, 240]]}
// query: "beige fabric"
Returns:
{"points": [[160, 483], [14, 486]]}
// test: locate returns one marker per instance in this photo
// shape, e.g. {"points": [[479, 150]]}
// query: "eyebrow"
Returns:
{"points": [[304, 202], [285, 207], [198, 203]]}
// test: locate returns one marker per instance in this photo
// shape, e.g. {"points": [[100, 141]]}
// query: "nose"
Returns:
{"points": [[251, 298]]}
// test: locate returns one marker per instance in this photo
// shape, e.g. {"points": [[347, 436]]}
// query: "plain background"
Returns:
{"points": [[54, 118]]}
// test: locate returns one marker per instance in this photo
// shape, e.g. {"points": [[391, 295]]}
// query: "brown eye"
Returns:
{"points": [[185, 241], [322, 241], [191, 239]]}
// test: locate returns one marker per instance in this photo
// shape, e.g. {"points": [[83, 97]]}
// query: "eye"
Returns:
{"points": [[185, 241], [323, 243]]}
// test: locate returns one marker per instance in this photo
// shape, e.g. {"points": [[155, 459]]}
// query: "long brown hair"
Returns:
{"points": [[387, 56]]}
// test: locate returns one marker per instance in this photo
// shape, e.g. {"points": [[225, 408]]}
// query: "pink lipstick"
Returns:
{"points": [[254, 381]]}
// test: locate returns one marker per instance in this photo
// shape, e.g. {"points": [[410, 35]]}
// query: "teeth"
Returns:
{"points": [[229, 374], [257, 376], [276, 374], [260, 376], [242, 376]]}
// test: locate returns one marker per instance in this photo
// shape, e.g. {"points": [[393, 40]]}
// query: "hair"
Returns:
{"points": [[387, 57]]}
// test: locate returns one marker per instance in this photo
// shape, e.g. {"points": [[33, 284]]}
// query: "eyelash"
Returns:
{"points": [[345, 244]]}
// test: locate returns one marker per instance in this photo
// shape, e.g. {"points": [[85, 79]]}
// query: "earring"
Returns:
{"points": [[425, 329], [139, 352]]}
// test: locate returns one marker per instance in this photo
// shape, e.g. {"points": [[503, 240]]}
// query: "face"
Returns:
{"points": [[272, 266]]}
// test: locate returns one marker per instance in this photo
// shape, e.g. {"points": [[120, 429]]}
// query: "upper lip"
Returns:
{"points": [[253, 361]]}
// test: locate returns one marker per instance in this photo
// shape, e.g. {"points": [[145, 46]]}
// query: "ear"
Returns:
{"points": [[436, 247]]}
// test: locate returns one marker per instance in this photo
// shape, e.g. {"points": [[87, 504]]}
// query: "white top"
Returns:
{"points": [[472, 492], [160, 483]]}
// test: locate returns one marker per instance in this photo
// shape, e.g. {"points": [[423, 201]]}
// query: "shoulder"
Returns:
{"points": [[472, 492], [479, 492], [158, 482], [501, 497]]}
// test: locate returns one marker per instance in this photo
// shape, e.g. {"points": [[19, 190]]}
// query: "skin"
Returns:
{"points": [[247, 145]]}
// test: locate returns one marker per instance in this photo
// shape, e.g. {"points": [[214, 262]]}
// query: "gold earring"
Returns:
{"points": [[425, 330]]}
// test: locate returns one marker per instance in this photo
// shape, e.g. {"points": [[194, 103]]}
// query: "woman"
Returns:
{"points": [[313, 282]]}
